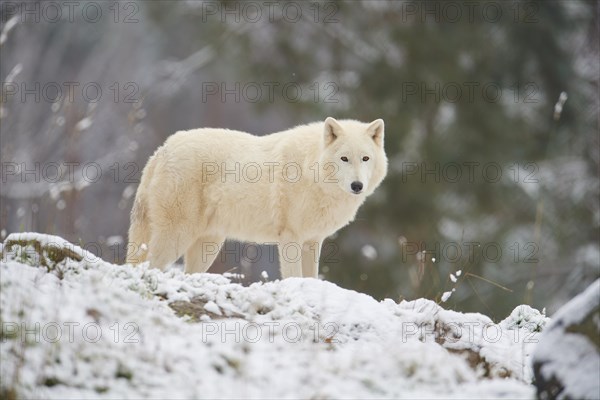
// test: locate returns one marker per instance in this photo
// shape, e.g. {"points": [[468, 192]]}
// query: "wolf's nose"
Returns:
{"points": [[356, 186]]}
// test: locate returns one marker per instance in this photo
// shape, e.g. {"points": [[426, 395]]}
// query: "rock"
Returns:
{"points": [[48, 251], [566, 361]]}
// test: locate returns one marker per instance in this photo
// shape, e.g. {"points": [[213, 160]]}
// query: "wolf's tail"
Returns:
{"points": [[139, 229]]}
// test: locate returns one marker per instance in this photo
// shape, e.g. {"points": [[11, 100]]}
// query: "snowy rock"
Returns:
{"points": [[525, 316], [567, 358], [45, 250]]}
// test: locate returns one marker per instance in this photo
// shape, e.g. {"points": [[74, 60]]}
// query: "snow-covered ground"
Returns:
{"points": [[91, 329]]}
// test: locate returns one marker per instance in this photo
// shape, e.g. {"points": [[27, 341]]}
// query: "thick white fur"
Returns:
{"points": [[291, 188]]}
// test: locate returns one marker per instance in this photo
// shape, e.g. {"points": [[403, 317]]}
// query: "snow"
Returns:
{"points": [[369, 252], [446, 295], [83, 124], [571, 356], [212, 307], [10, 24], [91, 329], [558, 107], [114, 240], [574, 311]]}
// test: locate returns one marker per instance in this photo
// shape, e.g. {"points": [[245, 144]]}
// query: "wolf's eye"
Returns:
{"points": [[345, 159], [365, 158]]}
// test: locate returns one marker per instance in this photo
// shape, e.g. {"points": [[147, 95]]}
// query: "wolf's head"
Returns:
{"points": [[353, 155]]}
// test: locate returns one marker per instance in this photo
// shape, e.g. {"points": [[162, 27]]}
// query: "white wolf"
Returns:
{"points": [[293, 188]]}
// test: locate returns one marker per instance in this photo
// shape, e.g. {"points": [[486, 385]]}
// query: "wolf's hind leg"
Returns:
{"points": [[201, 254], [166, 247]]}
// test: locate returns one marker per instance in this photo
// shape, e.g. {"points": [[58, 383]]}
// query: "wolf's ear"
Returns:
{"points": [[332, 130], [375, 130]]}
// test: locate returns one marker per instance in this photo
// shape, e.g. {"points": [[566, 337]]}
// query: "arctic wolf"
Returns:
{"points": [[293, 188]]}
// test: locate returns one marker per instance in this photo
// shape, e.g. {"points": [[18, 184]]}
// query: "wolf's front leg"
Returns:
{"points": [[311, 251], [290, 259]]}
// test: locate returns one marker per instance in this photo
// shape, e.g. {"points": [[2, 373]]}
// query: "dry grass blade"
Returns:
{"points": [[489, 281]]}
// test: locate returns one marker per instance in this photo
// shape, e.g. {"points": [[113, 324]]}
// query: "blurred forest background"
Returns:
{"points": [[491, 114]]}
